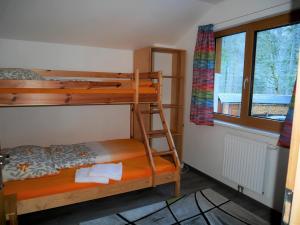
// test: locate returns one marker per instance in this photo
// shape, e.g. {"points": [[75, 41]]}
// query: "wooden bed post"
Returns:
{"points": [[2, 209], [8, 203], [136, 86], [160, 85]]}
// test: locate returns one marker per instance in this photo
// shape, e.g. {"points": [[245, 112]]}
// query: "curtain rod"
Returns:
{"points": [[238, 17]]}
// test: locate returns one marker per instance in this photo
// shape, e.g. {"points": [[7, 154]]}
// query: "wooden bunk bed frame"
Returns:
{"points": [[114, 88]]}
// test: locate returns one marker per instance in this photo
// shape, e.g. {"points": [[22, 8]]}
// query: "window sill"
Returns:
{"points": [[247, 129]]}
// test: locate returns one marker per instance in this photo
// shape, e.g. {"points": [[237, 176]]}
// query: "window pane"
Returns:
{"points": [[275, 71], [229, 80]]}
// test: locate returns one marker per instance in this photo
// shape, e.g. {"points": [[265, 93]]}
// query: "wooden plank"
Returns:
{"points": [[165, 178], [136, 86], [295, 139], [119, 91], [2, 209], [71, 84], [73, 99], [156, 133], [169, 177], [11, 209], [177, 100], [169, 137], [293, 174], [175, 85], [163, 153], [67, 198], [143, 132], [142, 60], [218, 55], [90, 74], [295, 210], [168, 106], [181, 103]]}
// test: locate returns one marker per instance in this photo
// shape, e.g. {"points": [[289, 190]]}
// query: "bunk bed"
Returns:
{"points": [[145, 168]]}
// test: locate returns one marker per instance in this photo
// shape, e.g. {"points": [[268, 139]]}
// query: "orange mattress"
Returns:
{"points": [[121, 149], [64, 182]]}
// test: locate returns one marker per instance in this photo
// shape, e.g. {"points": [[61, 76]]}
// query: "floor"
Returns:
{"points": [[192, 181]]}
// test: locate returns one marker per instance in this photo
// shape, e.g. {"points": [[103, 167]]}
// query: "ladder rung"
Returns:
{"points": [[175, 133], [161, 153], [157, 133], [154, 105], [152, 111], [169, 106]]}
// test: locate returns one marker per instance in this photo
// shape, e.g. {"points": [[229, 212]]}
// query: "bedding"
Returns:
{"points": [[133, 168], [68, 156], [76, 155], [27, 162], [19, 74]]}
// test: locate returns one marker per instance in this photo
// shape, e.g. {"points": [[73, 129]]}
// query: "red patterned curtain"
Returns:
{"points": [[203, 77]]}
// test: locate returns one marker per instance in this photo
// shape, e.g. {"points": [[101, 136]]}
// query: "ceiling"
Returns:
{"points": [[125, 24]]}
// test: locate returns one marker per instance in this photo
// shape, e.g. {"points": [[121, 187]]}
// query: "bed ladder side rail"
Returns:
{"points": [[169, 137], [147, 144], [142, 126], [166, 130]]}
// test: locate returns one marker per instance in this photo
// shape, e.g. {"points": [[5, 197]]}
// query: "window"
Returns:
{"points": [[256, 67], [229, 80], [277, 56]]}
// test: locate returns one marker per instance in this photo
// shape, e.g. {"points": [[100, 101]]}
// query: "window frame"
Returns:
{"points": [[251, 29]]}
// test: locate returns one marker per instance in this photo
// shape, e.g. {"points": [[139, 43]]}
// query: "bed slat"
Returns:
{"points": [[70, 99]]}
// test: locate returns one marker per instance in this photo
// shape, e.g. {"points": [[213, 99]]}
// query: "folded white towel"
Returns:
{"points": [[112, 171], [82, 176]]}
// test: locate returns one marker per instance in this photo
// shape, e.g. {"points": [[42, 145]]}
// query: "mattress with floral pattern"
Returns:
{"points": [[30, 161]]}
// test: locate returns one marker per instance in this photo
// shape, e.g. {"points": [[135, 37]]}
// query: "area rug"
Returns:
{"points": [[205, 207]]}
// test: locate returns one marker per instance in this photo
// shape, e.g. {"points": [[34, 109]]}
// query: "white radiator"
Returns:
{"points": [[244, 162]]}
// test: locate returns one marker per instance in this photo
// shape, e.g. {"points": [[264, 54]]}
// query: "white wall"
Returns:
{"points": [[63, 124], [203, 146]]}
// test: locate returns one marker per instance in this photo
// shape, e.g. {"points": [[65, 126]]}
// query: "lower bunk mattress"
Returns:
{"points": [[133, 168]]}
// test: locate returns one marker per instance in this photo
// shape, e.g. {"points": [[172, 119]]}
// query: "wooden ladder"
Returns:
{"points": [[163, 133], [156, 108]]}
